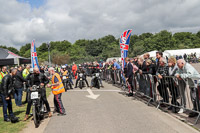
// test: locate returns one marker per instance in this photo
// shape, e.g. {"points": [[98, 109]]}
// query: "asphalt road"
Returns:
{"points": [[111, 112]]}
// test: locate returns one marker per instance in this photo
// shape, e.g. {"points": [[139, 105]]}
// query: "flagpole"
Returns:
{"points": [[48, 45], [31, 55]]}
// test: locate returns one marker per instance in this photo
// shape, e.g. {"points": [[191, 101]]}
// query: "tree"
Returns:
{"points": [[24, 50], [60, 59]]}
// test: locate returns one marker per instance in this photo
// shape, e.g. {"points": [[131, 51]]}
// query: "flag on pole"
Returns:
{"points": [[34, 59], [124, 45]]}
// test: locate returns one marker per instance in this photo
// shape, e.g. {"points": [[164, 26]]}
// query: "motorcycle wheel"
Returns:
{"points": [[70, 85], [98, 84], [65, 86], [80, 85], [42, 110], [35, 116]]}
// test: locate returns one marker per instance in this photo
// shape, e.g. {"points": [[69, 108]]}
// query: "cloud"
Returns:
{"points": [[20, 23]]}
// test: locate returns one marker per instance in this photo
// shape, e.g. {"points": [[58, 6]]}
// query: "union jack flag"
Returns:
{"points": [[34, 59], [124, 45]]}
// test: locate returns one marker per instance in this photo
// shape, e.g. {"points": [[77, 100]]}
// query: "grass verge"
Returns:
{"points": [[8, 127]]}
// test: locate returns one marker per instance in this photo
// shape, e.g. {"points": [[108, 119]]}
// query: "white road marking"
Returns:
{"points": [[92, 96]]}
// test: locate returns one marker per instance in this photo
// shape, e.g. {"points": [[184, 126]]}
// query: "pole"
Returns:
{"points": [[48, 44]]}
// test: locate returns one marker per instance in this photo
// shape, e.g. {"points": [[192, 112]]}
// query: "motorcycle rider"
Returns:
{"points": [[95, 70], [80, 70], [66, 74], [70, 73], [41, 80]]}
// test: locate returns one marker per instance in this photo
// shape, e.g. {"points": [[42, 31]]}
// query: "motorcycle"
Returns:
{"points": [[97, 80], [37, 105], [81, 82], [66, 82]]}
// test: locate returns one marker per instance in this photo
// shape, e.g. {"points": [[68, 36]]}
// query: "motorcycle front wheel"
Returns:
{"points": [[35, 116], [81, 84]]}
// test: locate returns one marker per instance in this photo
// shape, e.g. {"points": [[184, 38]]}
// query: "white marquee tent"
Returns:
{"points": [[153, 54], [183, 51]]}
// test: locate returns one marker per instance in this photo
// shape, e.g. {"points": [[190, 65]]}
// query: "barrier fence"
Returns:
{"points": [[168, 91]]}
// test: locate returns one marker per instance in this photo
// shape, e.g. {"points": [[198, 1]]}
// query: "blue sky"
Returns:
{"points": [[33, 3]]}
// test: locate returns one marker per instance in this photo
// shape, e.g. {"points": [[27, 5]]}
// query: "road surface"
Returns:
{"points": [[111, 112]]}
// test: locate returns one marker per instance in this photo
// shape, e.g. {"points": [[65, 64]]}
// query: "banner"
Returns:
{"points": [[34, 59], [124, 45]]}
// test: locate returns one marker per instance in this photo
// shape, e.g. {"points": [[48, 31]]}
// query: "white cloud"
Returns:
{"points": [[72, 20]]}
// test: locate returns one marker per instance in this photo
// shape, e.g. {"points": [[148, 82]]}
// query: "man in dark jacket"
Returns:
{"points": [[80, 70], [41, 80], [158, 56], [18, 85], [93, 71], [163, 71], [129, 75], [5, 93]]}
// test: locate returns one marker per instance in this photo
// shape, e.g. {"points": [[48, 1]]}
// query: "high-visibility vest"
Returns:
{"points": [[25, 73], [59, 69], [2, 75], [57, 89], [65, 73]]}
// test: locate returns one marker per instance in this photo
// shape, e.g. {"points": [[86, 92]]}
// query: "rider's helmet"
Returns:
{"points": [[31, 70]]}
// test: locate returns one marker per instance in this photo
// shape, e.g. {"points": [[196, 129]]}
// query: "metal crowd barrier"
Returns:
{"points": [[113, 76], [168, 91]]}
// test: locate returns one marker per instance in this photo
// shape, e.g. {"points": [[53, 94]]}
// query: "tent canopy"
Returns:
{"points": [[118, 59], [153, 54], [9, 58], [183, 51]]}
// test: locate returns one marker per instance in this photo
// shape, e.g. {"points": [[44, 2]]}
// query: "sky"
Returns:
{"points": [[21, 21]]}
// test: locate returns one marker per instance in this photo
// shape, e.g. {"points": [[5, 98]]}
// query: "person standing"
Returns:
{"points": [[57, 89], [18, 85], [185, 57], [5, 93], [187, 72], [117, 67], [129, 75], [74, 69], [163, 71], [26, 72], [158, 56], [3, 73]]}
